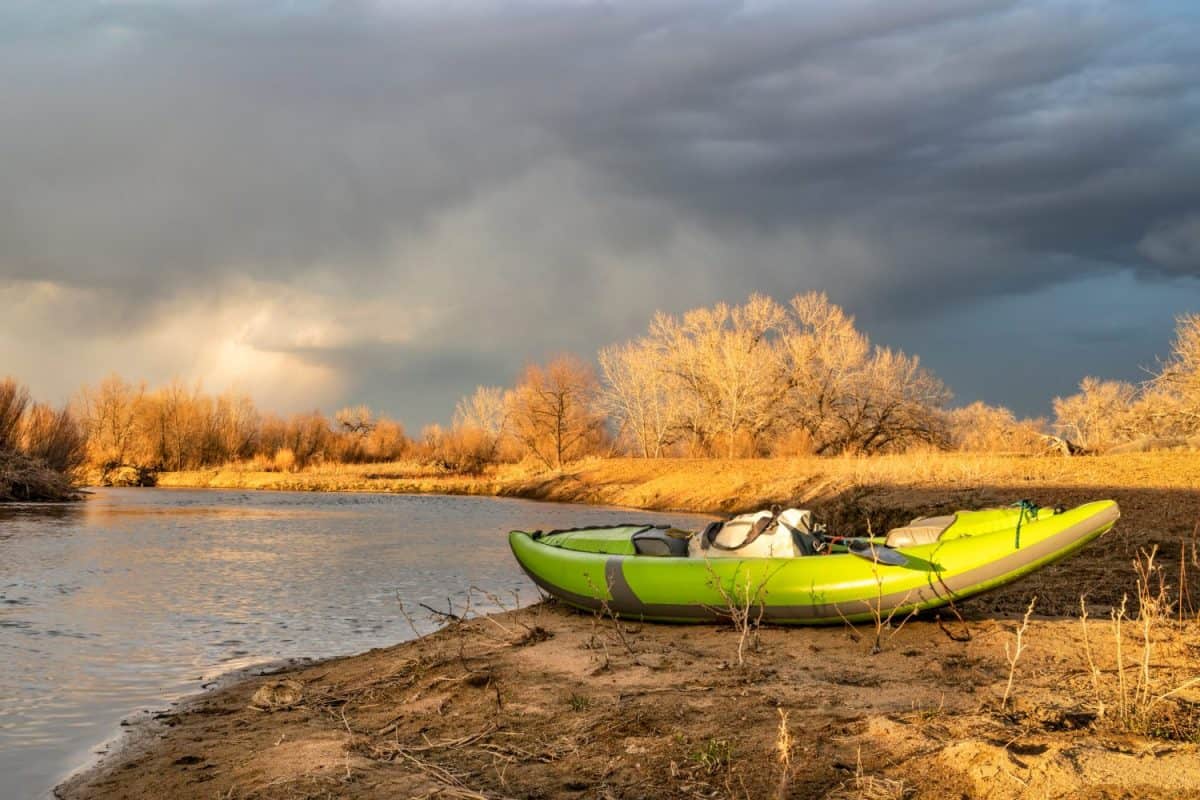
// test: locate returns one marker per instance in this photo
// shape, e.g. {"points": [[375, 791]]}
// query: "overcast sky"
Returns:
{"points": [[392, 202]]}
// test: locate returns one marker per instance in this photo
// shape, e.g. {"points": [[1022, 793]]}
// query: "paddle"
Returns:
{"points": [[880, 554]]}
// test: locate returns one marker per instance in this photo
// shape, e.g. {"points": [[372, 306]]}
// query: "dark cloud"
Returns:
{"points": [[495, 181]]}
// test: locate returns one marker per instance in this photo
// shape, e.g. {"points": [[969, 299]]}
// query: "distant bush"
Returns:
{"points": [[284, 460], [467, 449], [980, 428], [54, 437], [180, 427], [27, 479]]}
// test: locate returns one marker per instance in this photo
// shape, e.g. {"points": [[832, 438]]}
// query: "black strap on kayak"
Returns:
{"points": [[805, 543], [709, 537]]}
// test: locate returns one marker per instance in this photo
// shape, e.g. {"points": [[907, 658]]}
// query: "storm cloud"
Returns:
{"points": [[332, 201]]}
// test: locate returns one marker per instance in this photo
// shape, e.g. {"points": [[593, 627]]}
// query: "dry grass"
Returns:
{"points": [[1147, 698], [1013, 654], [727, 485]]}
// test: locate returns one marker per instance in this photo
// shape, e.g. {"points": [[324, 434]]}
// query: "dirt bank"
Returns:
{"points": [[545, 702]]}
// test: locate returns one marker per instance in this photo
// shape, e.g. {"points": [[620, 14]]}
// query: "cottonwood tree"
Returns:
{"points": [[554, 413], [1176, 387], [51, 436], [237, 424], [725, 364], [982, 428], [1098, 416], [640, 397], [890, 403], [762, 377], [481, 427], [486, 409], [357, 420], [180, 423], [824, 355], [849, 396], [109, 414]]}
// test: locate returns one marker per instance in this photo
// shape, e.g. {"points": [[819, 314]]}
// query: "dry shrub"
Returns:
{"points": [[468, 450], [284, 460], [14, 399], [1141, 698], [24, 479], [53, 437]]}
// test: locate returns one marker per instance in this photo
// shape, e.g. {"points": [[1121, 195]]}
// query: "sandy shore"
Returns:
{"points": [[546, 702]]}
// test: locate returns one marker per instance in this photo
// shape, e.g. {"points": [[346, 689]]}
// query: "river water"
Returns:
{"points": [[136, 597]]}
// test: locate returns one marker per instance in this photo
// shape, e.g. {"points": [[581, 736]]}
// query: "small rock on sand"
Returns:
{"points": [[277, 695]]}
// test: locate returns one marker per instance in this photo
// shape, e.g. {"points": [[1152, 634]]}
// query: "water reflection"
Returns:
{"points": [[138, 595]]}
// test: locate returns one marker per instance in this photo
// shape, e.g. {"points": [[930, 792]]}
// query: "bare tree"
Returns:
{"points": [[824, 354], [239, 428], [487, 409], [110, 418], [849, 396], [1176, 387], [1098, 416], [724, 360], [357, 420], [554, 411], [638, 396], [981, 428], [890, 404]]}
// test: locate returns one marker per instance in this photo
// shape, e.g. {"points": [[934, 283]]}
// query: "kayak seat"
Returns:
{"points": [[922, 530], [658, 542]]}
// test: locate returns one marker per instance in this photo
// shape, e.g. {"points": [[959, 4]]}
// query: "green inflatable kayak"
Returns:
{"points": [[929, 563]]}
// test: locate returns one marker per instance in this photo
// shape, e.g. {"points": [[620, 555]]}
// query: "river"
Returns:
{"points": [[135, 597]]}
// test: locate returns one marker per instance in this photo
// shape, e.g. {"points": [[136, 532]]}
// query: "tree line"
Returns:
{"points": [[180, 427], [759, 379], [764, 379]]}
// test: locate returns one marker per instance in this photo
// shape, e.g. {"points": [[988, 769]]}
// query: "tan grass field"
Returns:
{"points": [[727, 485], [546, 702]]}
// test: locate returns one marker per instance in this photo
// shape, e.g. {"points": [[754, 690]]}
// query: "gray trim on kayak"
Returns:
{"points": [[625, 601]]}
